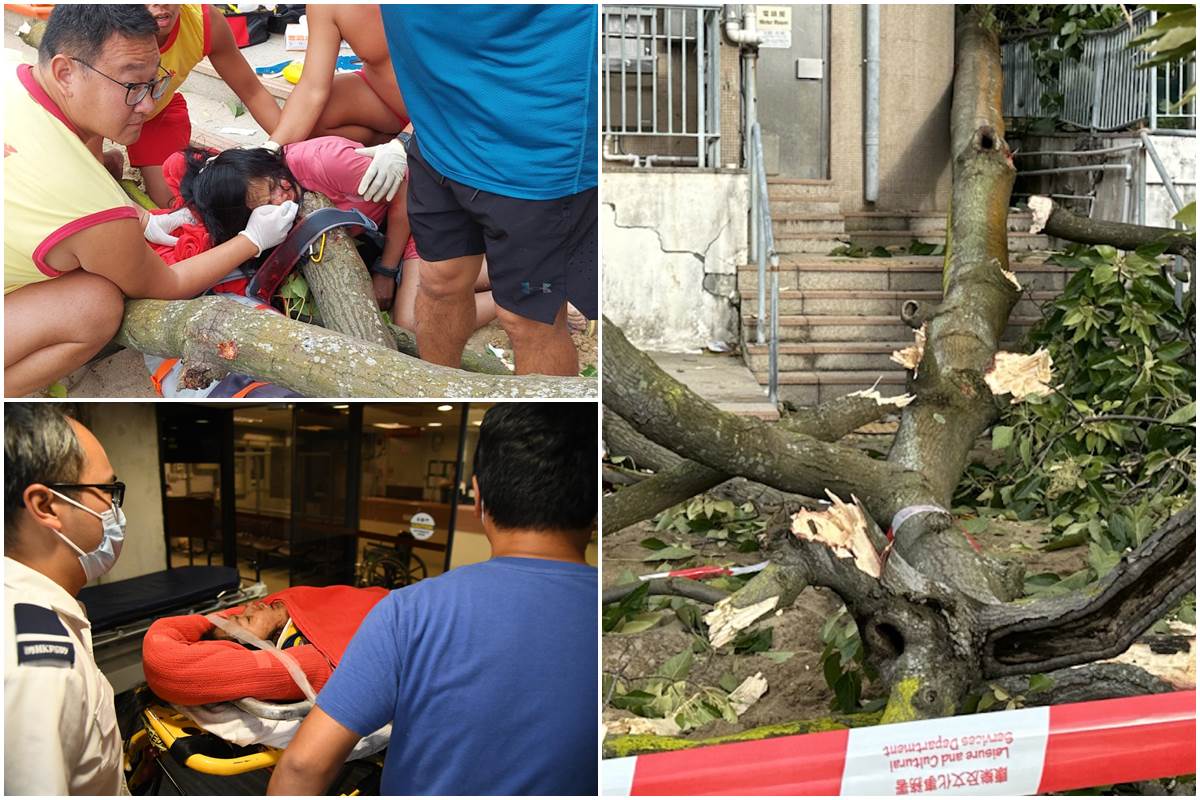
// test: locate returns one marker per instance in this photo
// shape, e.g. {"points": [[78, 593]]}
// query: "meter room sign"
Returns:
{"points": [[775, 25]]}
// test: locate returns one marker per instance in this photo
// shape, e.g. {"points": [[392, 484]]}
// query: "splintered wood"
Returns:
{"points": [[725, 621], [909, 357], [843, 528], [1019, 374]]}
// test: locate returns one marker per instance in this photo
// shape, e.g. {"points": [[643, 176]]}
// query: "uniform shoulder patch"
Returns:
{"points": [[42, 639]]}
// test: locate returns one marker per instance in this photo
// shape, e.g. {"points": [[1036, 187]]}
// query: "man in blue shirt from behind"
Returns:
{"points": [[488, 672], [503, 162]]}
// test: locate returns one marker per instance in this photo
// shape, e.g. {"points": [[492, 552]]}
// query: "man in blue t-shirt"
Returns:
{"points": [[503, 163], [488, 672]]}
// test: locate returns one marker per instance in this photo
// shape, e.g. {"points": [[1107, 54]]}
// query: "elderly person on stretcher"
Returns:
{"points": [[189, 661]]}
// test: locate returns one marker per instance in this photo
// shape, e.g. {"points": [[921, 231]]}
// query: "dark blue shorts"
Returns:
{"points": [[540, 253]]}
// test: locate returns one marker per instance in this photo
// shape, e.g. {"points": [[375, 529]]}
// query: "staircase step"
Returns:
{"points": [[813, 243], [785, 206], [808, 388], [910, 273], [1017, 241], [825, 356], [808, 328], [787, 224], [793, 302], [932, 222]]}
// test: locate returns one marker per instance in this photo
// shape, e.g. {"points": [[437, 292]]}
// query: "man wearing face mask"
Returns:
{"points": [[63, 527]]}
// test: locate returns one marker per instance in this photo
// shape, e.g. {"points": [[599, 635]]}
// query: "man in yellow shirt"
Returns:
{"points": [[74, 246]]}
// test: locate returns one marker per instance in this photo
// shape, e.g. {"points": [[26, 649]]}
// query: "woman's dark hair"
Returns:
{"points": [[216, 189]]}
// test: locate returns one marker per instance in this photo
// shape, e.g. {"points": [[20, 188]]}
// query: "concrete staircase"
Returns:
{"points": [[839, 317]]}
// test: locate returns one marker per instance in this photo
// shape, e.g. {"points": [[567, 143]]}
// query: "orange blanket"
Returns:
{"points": [[182, 668]]}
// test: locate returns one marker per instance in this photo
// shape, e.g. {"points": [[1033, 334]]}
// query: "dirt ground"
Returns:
{"points": [[796, 687]]}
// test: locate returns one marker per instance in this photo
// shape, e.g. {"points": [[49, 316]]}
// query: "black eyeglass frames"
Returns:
{"points": [[136, 92], [116, 489]]}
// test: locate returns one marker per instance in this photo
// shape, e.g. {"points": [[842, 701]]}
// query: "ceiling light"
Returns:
{"points": [[315, 428], [391, 426], [434, 424], [445, 407], [342, 406], [246, 420]]}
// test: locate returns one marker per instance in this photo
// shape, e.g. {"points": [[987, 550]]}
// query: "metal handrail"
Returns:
{"points": [[765, 249]]}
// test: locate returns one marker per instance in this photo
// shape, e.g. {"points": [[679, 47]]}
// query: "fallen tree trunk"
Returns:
{"points": [[341, 284], [1064, 224], [214, 336], [472, 360]]}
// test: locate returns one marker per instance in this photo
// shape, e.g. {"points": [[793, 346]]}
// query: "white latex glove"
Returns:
{"points": [[389, 162], [269, 225], [274, 147], [159, 226]]}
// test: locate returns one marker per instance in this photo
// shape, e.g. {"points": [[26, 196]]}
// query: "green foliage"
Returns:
{"points": [[1109, 454], [297, 297], [721, 522], [1171, 38], [1187, 214], [668, 694], [842, 662]]}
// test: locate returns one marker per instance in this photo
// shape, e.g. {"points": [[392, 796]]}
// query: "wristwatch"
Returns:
{"points": [[379, 269]]}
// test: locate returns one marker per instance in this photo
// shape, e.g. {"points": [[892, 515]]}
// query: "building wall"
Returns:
{"points": [[672, 241], [916, 75], [129, 433]]}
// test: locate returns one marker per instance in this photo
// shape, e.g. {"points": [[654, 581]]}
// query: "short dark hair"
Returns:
{"points": [[536, 464], [39, 447], [82, 30], [214, 186]]}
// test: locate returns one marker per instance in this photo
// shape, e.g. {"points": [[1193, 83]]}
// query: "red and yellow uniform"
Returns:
{"points": [[169, 129], [53, 186]]}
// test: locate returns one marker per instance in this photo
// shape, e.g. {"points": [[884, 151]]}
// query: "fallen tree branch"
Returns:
{"points": [[665, 411], [216, 335], [678, 587], [1101, 681], [1124, 236], [341, 284], [1101, 623], [481, 361]]}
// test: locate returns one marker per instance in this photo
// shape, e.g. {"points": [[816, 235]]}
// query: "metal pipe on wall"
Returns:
{"points": [[871, 126]]}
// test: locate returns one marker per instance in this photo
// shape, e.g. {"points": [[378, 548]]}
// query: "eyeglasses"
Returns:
{"points": [[136, 92], [116, 489]]}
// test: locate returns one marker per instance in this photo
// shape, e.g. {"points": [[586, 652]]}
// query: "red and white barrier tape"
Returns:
{"points": [[705, 572], [1026, 751]]}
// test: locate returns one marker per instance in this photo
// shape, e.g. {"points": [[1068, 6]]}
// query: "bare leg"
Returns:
{"points": [[445, 308], [41, 343], [156, 186], [356, 112], [538, 347]]}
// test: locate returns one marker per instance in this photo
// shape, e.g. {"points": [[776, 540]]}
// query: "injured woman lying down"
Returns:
{"points": [[190, 661]]}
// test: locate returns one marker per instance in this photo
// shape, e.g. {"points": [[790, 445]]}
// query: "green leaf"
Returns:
{"points": [[728, 682], [779, 656], [1185, 414], [1002, 436], [641, 622], [677, 666], [986, 702], [57, 389], [939, 418], [753, 641], [975, 526], [673, 553], [1039, 683], [653, 544]]}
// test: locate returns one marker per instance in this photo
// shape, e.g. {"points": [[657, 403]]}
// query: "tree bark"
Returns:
{"points": [[341, 284], [827, 422], [480, 361], [214, 336], [1123, 236]]}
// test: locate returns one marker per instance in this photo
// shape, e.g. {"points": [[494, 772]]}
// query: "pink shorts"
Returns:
{"points": [[410, 250]]}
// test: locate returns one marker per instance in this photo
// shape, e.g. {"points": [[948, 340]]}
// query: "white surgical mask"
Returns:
{"points": [[101, 560]]}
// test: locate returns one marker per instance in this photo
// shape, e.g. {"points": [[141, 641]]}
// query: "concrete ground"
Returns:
{"points": [[723, 379], [212, 107]]}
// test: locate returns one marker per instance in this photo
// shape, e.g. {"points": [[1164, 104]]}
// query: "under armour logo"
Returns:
{"points": [[527, 289]]}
